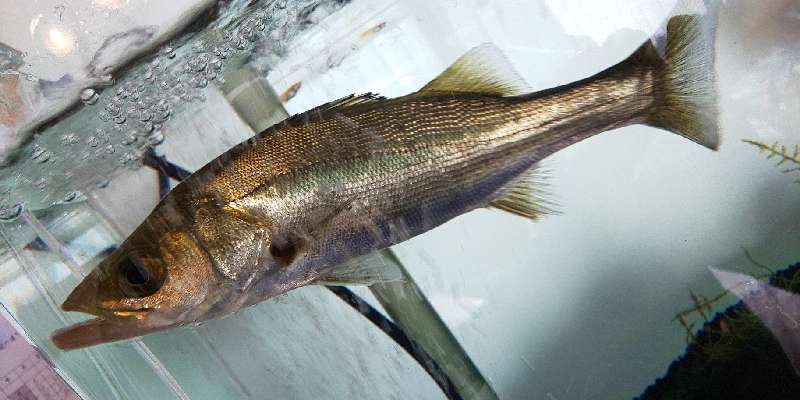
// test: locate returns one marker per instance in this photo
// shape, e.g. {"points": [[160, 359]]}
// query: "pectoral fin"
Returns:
{"points": [[365, 270]]}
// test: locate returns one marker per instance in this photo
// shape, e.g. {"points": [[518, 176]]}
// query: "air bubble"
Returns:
{"points": [[129, 139], [40, 154], [71, 196], [11, 212], [102, 136], [179, 90], [260, 22], [89, 96], [68, 139], [235, 42], [162, 105], [240, 43], [169, 52], [199, 63], [112, 108], [161, 116], [40, 183], [200, 82], [128, 158], [155, 139], [216, 64]]}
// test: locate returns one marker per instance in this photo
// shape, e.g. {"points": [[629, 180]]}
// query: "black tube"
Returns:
{"points": [[399, 336], [164, 166]]}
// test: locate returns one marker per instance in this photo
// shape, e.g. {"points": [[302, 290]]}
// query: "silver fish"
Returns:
{"points": [[308, 199]]}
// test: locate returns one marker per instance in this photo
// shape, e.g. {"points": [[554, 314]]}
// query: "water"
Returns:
{"points": [[595, 302]]}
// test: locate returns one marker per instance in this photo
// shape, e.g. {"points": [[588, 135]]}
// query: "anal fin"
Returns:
{"points": [[528, 198]]}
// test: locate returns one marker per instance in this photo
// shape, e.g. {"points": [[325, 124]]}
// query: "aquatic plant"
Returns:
{"points": [[786, 156], [705, 306], [733, 355]]}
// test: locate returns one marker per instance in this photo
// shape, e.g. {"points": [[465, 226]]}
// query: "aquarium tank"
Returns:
{"points": [[400, 199]]}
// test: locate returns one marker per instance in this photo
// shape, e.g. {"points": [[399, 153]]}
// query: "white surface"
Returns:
{"points": [[577, 306], [70, 46]]}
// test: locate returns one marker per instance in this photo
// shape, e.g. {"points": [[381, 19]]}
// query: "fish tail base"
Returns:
{"points": [[686, 87]]}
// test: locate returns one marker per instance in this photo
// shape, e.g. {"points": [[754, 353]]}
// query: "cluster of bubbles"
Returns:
{"points": [[11, 212], [137, 110], [132, 114]]}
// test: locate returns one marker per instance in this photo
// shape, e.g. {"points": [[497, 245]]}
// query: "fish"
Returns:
{"points": [[371, 31], [290, 92], [312, 199]]}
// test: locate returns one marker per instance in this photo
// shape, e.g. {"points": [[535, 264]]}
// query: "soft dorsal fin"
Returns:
{"points": [[365, 270], [528, 198], [484, 69]]}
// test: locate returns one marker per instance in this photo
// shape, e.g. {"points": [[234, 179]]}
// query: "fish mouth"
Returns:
{"points": [[104, 330], [108, 326]]}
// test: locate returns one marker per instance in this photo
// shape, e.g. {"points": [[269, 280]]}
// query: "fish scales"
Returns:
{"points": [[391, 155], [300, 202]]}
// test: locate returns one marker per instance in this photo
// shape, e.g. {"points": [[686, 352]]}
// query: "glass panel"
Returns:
{"points": [[663, 258]]}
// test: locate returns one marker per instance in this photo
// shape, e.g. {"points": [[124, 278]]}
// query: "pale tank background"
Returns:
{"points": [[580, 305]]}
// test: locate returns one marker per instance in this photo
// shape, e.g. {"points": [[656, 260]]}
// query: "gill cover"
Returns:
{"points": [[141, 288]]}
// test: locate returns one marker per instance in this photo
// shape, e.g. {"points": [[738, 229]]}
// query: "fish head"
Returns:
{"points": [[157, 279]]}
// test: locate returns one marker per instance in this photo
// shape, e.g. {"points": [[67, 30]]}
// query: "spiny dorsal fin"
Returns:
{"points": [[528, 198], [484, 69], [320, 112], [365, 270], [352, 100]]}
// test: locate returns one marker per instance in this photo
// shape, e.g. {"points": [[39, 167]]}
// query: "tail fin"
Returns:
{"points": [[686, 87]]}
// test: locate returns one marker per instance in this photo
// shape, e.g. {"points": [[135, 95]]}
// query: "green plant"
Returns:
{"points": [[786, 156]]}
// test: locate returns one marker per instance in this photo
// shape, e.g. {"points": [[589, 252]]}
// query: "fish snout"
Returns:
{"points": [[85, 296]]}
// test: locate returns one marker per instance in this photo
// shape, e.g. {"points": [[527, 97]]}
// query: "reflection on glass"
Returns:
{"points": [[60, 42]]}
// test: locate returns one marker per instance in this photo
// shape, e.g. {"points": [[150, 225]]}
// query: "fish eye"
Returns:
{"points": [[137, 278], [136, 275]]}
